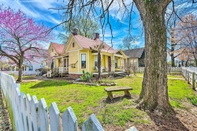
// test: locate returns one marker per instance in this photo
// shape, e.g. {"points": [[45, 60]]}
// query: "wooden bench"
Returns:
{"points": [[109, 91]]}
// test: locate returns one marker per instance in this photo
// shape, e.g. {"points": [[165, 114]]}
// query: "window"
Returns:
{"points": [[83, 60], [30, 68], [116, 62], [73, 44], [134, 62], [96, 61]]}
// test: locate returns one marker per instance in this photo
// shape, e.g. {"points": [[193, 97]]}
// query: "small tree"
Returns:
{"points": [[20, 37], [128, 70], [186, 31], [98, 49], [129, 42]]}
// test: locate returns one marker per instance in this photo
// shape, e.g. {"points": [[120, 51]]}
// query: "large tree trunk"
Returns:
{"points": [[154, 93]]}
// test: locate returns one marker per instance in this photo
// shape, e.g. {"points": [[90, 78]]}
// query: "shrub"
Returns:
{"points": [[193, 100], [86, 76]]}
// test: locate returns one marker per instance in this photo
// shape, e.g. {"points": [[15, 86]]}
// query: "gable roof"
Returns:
{"points": [[58, 47], [86, 43], [134, 53]]}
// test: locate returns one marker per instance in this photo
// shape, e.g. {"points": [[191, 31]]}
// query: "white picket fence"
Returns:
{"points": [[29, 114], [170, 69], [190, 74]]}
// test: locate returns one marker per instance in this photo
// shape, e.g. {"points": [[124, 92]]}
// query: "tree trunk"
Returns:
{"points": [[172, 60], [99, 66], [19, 73], [172, 56], [154, 93], [182, 63], [20, 68]]}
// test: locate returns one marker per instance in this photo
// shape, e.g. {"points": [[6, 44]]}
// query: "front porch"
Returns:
{"points": [[58, 71]]}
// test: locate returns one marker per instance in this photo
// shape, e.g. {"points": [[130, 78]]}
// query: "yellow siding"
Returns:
{"points": [[76, 46], [73, 62], [119, 62], [91, 62], [102, 61], [52, 51]]}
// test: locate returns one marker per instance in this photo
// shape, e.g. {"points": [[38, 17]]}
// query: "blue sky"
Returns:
{"points": [[40, 11]]}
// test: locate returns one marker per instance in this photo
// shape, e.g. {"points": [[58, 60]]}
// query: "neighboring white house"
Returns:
{"points": [[30, 67]]}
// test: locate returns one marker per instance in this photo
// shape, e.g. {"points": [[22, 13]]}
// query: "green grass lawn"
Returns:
{"points": [[86, 100]]}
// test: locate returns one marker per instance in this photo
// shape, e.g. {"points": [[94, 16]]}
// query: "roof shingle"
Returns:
{"points": [[58, 47], [86, 43], [134, 53]]}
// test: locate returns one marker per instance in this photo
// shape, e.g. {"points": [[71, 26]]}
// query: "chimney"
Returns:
{"points": [[75, 31], [96, 36]]}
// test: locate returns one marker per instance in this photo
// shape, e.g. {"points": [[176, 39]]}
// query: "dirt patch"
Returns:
{"points": [[5, 124], [183, 120]]}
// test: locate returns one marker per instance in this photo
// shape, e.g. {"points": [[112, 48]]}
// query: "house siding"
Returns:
{"points": [[73, 62], [76, 45]]}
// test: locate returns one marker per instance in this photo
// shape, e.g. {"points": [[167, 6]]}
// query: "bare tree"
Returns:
{"points": [[187, 33], [129, 42], [154, 93]]}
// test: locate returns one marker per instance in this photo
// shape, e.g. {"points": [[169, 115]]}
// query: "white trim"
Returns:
{"points": [[69, 42], [118, 55], [80, 60], [77, 42]]}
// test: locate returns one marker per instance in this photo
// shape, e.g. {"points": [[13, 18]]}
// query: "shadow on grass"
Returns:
{"points": [[50, 83], [167, 123], [116, 99]]}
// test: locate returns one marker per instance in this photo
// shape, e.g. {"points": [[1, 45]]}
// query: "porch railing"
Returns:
{"points": [[59, 70], [63, 69]]}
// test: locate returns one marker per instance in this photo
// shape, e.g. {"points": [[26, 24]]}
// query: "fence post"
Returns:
{"points": [[188, 76], [193, 80], [43, 116], [54, 117], [34, 112], [92, 124], [69, 120], [29, 115]]}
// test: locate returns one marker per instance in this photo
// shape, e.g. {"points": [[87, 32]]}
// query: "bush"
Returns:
{"points": [[86, 76]]}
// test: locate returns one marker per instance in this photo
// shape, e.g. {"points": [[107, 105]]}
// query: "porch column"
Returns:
{"points": [[112, 63]]}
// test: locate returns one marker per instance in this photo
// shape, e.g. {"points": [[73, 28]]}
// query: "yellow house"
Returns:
{"points": [[55, 50], [78, 55]]}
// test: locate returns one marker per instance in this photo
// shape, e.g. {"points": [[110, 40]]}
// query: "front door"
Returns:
{"points": [[109, 63]]}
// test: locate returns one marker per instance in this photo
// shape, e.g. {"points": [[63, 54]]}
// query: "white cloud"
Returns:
{"points": [[56, 21], [16, 4]]}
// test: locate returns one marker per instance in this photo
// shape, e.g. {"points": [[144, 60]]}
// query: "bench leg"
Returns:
{"points": [[127, 94], [110, 95]]}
